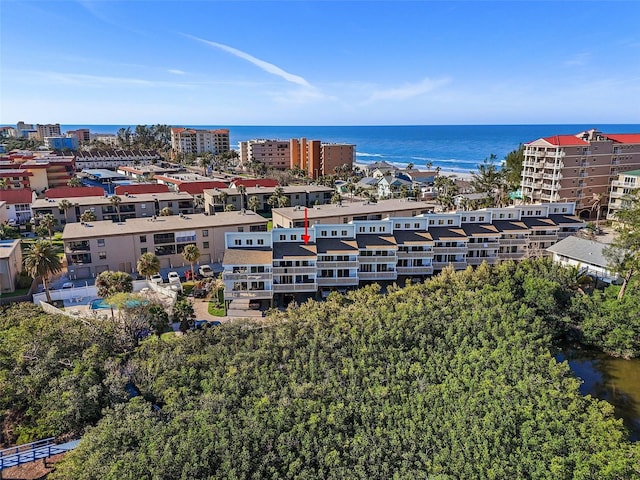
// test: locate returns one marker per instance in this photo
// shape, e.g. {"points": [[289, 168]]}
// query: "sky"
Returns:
{"points": [[319, 62]]}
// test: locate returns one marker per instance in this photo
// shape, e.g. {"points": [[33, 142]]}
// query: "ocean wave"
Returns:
{"points": [[364, 154]]}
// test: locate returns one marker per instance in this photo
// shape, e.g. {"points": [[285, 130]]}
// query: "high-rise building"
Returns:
{"points": [[190, 140], [48, 130], [318, 159], [577, 168], [271, 153]]}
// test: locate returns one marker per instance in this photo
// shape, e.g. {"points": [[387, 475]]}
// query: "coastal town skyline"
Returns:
{"points": [[319, 63]]}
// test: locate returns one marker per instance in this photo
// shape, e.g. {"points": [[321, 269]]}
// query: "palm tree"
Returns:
{"points": [[111, 283], [223, 198], [191, 254], [88, 216], [242, 190], [597, 206], [49, 222], [116, 201], [74, 182], [148, 264], [254, 203], [229, 208], [63, 206], [42, 260], [3, 184]]}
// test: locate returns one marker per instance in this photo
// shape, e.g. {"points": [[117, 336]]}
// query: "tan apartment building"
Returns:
{"points": [[10, 264], [279, 264], [271, 153], [291, 217], [577, 168], [48, 130], [318, 159], [191, 140], [296, 195], [93, 247], [626, 185], [143, 205]]}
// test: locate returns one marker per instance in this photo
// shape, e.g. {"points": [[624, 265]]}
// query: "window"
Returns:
{"points": [[143, 239], [205, 244], [344, 233], [294, 237], [261, 241], [323, 233], [237, 241], [143, 250], [334, 233], [205, 233], [372, 229], [283, 238], [102, 255], [249, 241], [241, 229], [396, 225], [101, 242], [143, 206]]}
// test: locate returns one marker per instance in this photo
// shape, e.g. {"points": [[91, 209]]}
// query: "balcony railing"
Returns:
{"points": [[327, 265], [512, 241], [379, 259], [295, 287], [418, 254], [423, 270], [335, 281], [478, 260], [511, 255], [246, 276], [294, 270], [390, 275], [455, 265], [231, 294], [543, 238], [449, 250]]}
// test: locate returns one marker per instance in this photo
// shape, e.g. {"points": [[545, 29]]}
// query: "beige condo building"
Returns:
{"points": [[191, 140]]}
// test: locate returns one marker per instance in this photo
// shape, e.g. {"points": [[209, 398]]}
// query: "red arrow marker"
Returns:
{"points": [[306, 237]]}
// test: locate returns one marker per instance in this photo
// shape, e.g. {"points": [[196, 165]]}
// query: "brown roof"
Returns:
{"points": [[283, 250], [538, 223], [480, 230], [336, 245], [510, 226], [409, 237], [447, 233], [247, 256], [373, 241]]}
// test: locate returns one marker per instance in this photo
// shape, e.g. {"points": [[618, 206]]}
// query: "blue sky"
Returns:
{"points": [[319, 63]]}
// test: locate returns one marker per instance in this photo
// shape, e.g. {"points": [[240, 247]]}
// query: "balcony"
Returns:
{"points": [[416, 254], [421, 270], [543, 238], [554, 177], [475, 261], [77, 247], [328, 265], [512, 255], [246, 276], [551, 166], [294, 270], [455, 265], [379, 259], [450, 250], [336, 281], [512, 241], [295, 287], [257, 294], [389, 275]]}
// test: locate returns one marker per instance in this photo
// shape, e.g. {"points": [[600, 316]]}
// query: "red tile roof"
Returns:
{"points": [[15, 173], [260, 182], [623, 137], [13, 197], [565, 140], [196, 188], [137, 188], [72, 192]]}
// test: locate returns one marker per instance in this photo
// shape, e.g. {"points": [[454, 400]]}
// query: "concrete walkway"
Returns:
{"points": [[201, 309]]}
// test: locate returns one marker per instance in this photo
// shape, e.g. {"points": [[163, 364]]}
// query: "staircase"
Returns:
{"points": [[29, 452]]}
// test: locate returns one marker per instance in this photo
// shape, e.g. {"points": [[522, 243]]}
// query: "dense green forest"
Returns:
{"points": [[454, 378]]}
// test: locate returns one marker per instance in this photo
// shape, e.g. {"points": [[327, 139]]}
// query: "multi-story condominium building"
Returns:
{"points": [[106, 138], [17, 204], [61, 143], [147, 172], [14, 178], [318, 159], [271, 153], [296, 195], [577, 168], [346, 212], [91, 248], [82, 134], [87, 159], [131, 206], [45, 170], [627, 184], [10, 264], [280, 265], [48, 130], [190, 140], [188, 182]]}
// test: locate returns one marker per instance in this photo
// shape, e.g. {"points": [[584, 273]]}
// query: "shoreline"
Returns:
{"points": [[443, 171]]}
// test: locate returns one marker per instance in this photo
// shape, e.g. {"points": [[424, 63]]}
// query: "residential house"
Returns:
{"points": [[18, 204], [586, 255], [10, 264]]}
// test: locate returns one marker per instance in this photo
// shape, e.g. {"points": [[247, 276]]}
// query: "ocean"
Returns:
{"points": [[455, 148]]}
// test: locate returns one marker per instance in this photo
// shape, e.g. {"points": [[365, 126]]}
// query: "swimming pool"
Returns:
{"points": [[102, 304]]}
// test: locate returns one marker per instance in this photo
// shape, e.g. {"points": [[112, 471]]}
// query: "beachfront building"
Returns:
{"points": [[318, 159], [10, 264], [345, 212], [271, 153], [93, 247], [295, 195], [48, 130], [186, 141], [577, 168], [626, 185], [82, 134], [342, 255], [131, 206], [585, 254]]}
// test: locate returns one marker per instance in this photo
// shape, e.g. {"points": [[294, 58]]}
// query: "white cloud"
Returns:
{"points": [[85, 80], [176, 71], [408, 90], [266, 66], [577, 60]]}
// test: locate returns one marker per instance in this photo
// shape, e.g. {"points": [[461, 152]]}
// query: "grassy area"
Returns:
{"points": [[217, 308], [17, 293]]}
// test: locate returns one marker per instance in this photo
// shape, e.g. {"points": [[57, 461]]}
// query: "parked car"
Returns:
{"points": [[205, 271], [157, 278], [173, 277]]}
